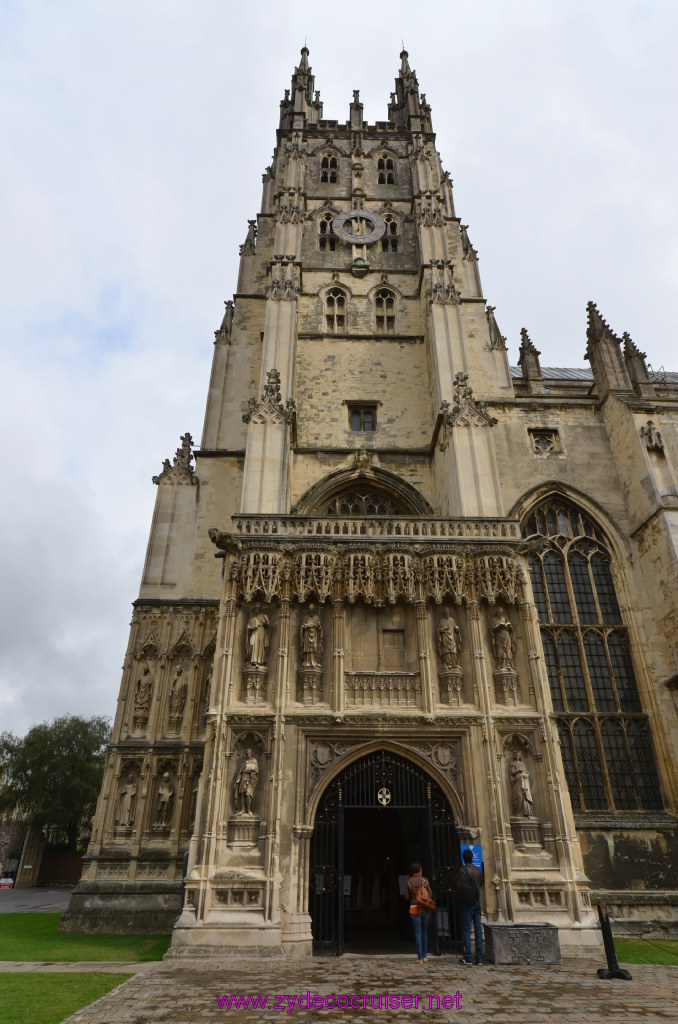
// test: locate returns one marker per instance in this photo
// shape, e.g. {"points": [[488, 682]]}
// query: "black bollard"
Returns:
{"points": [[613, 968]]}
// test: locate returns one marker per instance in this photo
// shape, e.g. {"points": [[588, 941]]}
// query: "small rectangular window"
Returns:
{"points": [[362, 417]]}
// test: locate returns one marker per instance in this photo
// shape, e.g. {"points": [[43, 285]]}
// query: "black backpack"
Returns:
{"points": [[468, 887]]}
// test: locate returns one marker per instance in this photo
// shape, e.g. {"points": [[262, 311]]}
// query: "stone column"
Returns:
{"points": [[428, 700], [338, 630], [497, 824]]}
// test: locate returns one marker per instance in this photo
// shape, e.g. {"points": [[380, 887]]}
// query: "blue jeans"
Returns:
{"points": [[420, 925], [471, 912]]}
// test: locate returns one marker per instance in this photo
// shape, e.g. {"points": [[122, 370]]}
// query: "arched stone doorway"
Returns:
{"points": [[375, 817]]}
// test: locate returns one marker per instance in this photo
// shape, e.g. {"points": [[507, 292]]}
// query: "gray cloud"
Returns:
{"points": [[134, 140]]}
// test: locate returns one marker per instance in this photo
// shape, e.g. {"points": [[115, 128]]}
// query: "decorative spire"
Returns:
{"points": [[181, 471], [301, 104], [405, 109], [603, 350], [596, 326], [528, 360], [497, 339], [465, 412], [223, 335], [271, 405], [637, 367]]}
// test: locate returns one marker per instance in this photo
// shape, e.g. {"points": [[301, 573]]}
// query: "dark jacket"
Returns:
{"points": [[475, 873]]}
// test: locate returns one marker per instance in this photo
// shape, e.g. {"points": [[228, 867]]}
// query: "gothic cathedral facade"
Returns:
{"points": [[402, 597]]}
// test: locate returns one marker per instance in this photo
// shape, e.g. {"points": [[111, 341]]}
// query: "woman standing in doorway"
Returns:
{"points": [[420, 917]]}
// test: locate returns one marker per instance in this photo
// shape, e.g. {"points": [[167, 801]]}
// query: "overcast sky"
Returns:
{"points": [[133, 136]]}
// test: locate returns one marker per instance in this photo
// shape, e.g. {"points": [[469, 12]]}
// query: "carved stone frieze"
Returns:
{"points": [[506, 687], [322, 755], [451, 686], [309, 685], [376, 576], [444, 754], [313, 572], [254, 684], [386, 689]]}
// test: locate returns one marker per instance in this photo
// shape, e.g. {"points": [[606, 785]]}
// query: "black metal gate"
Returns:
{"points": [[383, 779]]}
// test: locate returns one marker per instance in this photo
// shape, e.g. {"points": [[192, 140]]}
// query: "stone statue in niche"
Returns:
{"points": [[520, 787], [142, 694], [311, 640], [256, 654], [245, 785], [165, 801], [127, 802], [449, 641], [503, 642], [177, 697]]}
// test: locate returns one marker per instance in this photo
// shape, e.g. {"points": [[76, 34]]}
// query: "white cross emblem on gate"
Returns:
{"points": [[384, 796]]}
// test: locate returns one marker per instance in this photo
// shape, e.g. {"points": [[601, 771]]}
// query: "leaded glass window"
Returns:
{"points": [[605, 738]]}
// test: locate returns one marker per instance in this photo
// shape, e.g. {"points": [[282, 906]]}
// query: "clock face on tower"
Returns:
{"points": [[359, 227]]}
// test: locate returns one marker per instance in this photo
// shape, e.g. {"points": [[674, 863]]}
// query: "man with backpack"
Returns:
{"points": [[470, 883]]}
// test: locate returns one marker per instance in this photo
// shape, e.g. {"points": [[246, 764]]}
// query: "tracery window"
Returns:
{"points": [[605, 738], [328, 168], [362, 503], [327, 241], [389, 241], [335, 311], [385, 308], [385, 170]]}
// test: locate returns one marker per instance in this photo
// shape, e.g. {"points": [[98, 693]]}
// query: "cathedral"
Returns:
{"points": [[402, 598]]}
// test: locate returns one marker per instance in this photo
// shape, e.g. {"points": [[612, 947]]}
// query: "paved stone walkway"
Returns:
{"points": [[185, 992], [77, 967]]}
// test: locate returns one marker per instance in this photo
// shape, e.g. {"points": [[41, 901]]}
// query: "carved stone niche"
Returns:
{"points": [[309, 685], [506, 687], [526, 828], [254, 684], [125, 810], [165, 791], [242, 827], [451, 681]]}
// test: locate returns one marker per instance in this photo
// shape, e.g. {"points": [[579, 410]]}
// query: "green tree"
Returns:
{"points": [[51, 778]]}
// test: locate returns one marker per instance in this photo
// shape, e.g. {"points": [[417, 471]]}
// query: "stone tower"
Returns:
{"points": [[431, 620]]}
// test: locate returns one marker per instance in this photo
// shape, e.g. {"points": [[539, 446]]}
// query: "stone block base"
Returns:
{"points": [[134, 908], [522, 944]]}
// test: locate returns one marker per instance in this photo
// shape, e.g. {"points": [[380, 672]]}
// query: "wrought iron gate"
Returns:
{"points": [[382, 779]]}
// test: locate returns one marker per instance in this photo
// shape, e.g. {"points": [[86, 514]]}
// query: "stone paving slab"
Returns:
{"points": [[78, 966], [184, 992]]}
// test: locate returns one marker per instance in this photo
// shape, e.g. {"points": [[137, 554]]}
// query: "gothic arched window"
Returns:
{"points": [[389, 241], [335, 311], [385, 309], [327, 241], [385, 170], [605, 738], [328, 168]]}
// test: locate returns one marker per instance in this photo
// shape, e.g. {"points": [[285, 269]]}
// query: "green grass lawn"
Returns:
{"points": [[48, 998], [647, 951], [36, 937]]}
